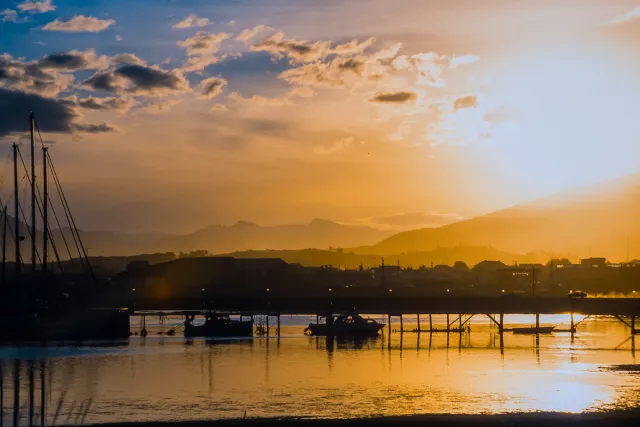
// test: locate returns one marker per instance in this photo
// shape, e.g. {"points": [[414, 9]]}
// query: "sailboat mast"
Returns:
{"points": [[32, 119], [4, 245], [16, 218], [45, 207]]}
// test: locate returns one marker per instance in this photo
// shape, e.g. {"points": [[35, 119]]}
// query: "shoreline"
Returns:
{"points": [[529, 419]]}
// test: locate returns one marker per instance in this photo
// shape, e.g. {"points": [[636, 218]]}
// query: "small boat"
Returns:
{"points": [[218, 325], [534, 330], [345, 325]]}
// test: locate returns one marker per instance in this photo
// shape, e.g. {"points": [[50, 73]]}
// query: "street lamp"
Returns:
{"points": [[634, 294]]}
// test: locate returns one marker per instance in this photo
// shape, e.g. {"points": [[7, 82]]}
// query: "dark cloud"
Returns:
{"points": [[395, 97], [30, 76], [104, 81], [352, 64], [89, 128], [297, 50], [52, 115], [212, 86], [147, 79], [64, 61], [465, 102], [108, 103]]}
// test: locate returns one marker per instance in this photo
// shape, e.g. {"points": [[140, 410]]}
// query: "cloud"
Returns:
{"points": [[261, 100], [151, 80], [465, 102], [414, 220], [127, 58], [212, 87], [30, 76], [337, 147], [249, 33], [302, 92], [296, 50], [53, 115], [120, 104], [395, 97], [192, 21], [201, 49], [79, 24], [457, 61], [631, 15], [90, 128], [74, 60], [105, 81], [36, 6], [353, 47], [9, 15], [162, 106]]}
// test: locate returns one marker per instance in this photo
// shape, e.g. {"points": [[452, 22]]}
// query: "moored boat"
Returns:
{"points": [[347, 325], [534, 330], [218, 325]]}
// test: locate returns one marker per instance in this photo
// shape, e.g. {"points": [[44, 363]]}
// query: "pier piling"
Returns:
{"points": [[278, 326]]}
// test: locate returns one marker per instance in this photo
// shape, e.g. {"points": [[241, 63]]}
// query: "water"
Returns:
{"points": [[170, 378]]}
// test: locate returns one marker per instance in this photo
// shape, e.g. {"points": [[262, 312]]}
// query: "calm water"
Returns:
{"points": [[169, 378]]}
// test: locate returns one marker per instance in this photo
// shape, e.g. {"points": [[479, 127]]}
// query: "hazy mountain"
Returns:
{"points": [[216, 239], [597, 220], [246, 235]]}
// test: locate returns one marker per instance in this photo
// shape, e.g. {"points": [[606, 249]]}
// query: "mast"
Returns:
{"points": [[4, 244], [45, 213], [32, 120], [16, 218]]}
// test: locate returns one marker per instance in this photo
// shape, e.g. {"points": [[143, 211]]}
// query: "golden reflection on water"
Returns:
{"points": [[165, 378]]}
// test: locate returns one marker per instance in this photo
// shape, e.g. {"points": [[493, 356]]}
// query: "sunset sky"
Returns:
{"points": [[174, 114]]}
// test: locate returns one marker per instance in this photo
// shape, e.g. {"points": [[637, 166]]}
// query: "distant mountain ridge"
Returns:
{"points": [[599, 220], [216, 239]]}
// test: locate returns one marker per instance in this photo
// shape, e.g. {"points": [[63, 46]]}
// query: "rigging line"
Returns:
{"points": [[39, 201], [73, 221], [38, 204], [64, 208], [29, 230]]}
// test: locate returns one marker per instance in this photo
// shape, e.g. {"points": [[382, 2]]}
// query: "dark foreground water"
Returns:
{"points": [[169, 378]]}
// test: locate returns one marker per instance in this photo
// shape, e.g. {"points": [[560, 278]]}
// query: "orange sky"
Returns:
{"points": [[347, 111]]}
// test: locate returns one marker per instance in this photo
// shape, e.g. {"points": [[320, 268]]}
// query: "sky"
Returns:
{"points": [[170, 115]]}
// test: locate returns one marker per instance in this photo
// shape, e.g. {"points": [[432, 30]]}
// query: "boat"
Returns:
{"points": [[44, 298], [534, 330], [350, 325], [218, 325]]}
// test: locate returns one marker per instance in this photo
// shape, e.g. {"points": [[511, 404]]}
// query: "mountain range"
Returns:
{"points": [[599, 220]]}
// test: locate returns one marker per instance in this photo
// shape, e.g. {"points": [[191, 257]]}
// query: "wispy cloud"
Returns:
{"points": [[36, 6], [91, 128], [336, 147], [631, 15], [10, 15], [458, 61], [401, 97], [249, 33], [465, 102], [192, 21], [201, 49], [212, 87], [79, 24]]}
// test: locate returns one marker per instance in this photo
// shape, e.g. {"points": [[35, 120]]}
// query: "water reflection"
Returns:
{"points": [[155, 378]]}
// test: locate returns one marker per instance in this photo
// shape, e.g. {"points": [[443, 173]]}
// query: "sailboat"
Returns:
{"points": [[43, 303]]}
